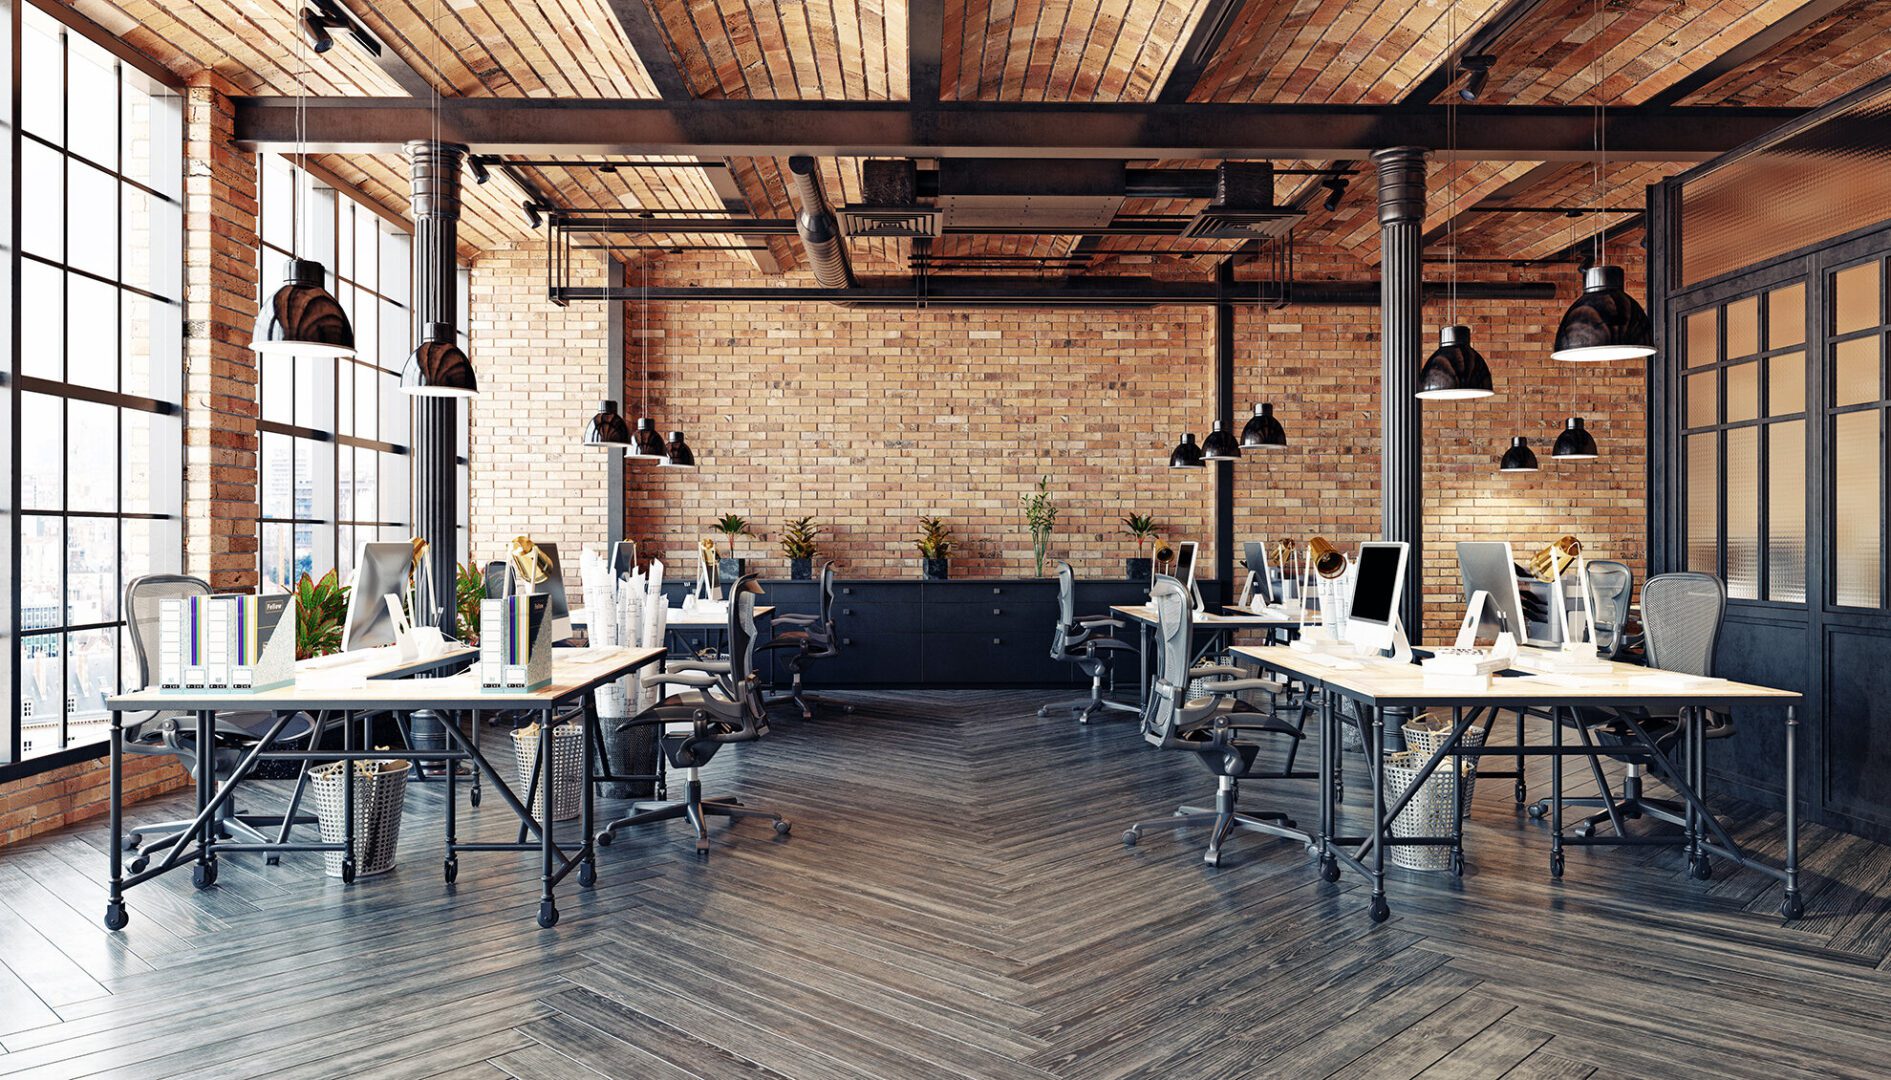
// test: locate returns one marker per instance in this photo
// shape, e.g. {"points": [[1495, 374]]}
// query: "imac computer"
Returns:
{"points": [[1184, 570], [1489, 567], [380, 571], [554, 587], [1255, 553], [1373, 623]]}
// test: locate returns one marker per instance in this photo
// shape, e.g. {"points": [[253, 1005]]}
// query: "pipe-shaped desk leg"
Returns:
{"points": [[204, 874], [547, 909], [1380, 829], [588, 716], [1792, 906], [348, 800], [115, 917], [1556, 793]]}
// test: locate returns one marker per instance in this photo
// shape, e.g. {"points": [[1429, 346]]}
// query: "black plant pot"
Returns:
{"points": [[1137, 569], [800, 569], [730, 569], [935, 569]]}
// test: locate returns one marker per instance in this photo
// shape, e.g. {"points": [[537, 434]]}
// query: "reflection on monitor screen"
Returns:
{"points": [[1378, 580]]}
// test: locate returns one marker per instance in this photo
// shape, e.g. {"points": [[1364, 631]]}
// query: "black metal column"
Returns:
{"points": [[434, 169], [1224, 412], [1401, 326]]}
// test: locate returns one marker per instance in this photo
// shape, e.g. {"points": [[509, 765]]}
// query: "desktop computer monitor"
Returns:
{"points": [[554, 587], [1490, 566], [380, 569], [1184, 570], [624, 558], [1378, 584], [1255, 554]]}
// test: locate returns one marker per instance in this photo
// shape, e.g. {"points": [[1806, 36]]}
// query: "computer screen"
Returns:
{"points": [[1379, 578], [1490, 565], [1255, 553], [380, 569]]}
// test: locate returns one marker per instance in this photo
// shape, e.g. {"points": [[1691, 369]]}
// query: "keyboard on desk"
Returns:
{"points": [[377, 654]]}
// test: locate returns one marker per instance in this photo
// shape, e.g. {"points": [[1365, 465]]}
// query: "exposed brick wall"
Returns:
{"points": [[74, 793], [542, 371], [220, 291]]}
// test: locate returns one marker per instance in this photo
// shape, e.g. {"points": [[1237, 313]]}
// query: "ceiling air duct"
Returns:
{"points": [[820, 233], [890, 205], [1244, 206]]}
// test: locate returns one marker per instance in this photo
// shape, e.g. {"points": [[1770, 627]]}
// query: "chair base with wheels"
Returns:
{"points": [[1085, 642], [229, 823], [1085, 708], [1223, 820], [804, 700], [694, 808]]}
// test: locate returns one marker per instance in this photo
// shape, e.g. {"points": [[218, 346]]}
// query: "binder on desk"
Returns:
{"points": [[515, 645], [226, 642], [262, 642]]}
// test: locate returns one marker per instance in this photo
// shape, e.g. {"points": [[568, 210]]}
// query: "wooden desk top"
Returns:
{"points": [[574, 671], [383, 664], [684, 620], [1385, 683], [1144, 613]]}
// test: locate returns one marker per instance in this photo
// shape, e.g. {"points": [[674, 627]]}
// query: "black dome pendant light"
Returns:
{"points": [[677, 454], [1220, 444], [1574, 443], [1455, 371], [303, 318], [438, 367], [1263, 429], [1519, 458], [607, 428], [1605, 322], [1186, 454], [645, 444]]}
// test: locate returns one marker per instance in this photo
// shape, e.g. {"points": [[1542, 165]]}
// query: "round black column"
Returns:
{"points": [[1401, 336]]}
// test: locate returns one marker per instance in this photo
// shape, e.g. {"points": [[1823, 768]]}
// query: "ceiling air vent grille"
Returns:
{"points": [[898, 221], [1244, 206]]}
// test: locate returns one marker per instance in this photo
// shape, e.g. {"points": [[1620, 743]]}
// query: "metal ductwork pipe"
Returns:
{"points": [[819, 229]]}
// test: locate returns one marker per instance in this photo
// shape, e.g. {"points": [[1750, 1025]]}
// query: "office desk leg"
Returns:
{"points": [[348, 800], [451, 868], [1792, 906], [1380, 829], [204, 874], [1329, 753], [587, 868], [1556, 793], [115, 917], [547, 910], [1692, 722]]}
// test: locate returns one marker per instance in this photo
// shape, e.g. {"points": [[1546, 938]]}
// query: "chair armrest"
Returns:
{"points": [[1204, 671], [1107, 643], [1101, 620], [1236, 686], [713, 667], [700, 680], [797, 619]]}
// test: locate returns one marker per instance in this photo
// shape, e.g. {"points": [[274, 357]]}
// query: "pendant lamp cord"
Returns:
{"points": [[297, 198], [1602, 138], [1451, 180], [643, 334]]}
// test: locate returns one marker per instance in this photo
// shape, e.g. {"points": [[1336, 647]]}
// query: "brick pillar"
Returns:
{"points": [[220, 301]]}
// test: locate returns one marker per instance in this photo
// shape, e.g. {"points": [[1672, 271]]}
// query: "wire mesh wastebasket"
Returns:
{"points": [[1428, 731], [380, 793], [567, 762], [1427, 814]]}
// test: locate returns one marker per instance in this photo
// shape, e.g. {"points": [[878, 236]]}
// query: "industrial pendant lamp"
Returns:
{"points": [[1263, 430], [1605, 322], [677, 454], [302, 318], [607, 428], [438, 367], [1186, 454], [1220, 444], [1456, 371], [645, 445], [1574, 443], [1519, 458]]}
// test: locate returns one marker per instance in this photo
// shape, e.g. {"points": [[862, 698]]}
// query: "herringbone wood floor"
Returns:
{"points": [[954, 902]]}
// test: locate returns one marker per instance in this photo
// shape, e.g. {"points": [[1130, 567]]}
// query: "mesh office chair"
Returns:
{"points": [[1083, 641], [722, 705], [1214, 727], [175, 733], [1681, 617], [812, 637]]}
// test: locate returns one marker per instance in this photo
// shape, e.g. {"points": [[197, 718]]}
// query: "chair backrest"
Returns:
{"points": [[1175, 633], [142, 597], [1611, 586], [827, 592], [742, 628], [1681, 616], [1066, 613]]}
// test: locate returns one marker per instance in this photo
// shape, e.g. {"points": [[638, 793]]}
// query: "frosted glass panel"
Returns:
{"points": [[1743, 513], [1855, 371], [1703, 346], [1743, 327], [1786, 384], [1786, 512], [1857, 488], [1703, 398], [1703, 503], [1743, 392], [1786, 317], [1855, 298]]}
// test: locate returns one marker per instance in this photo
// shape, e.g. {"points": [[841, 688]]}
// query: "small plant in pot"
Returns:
{"points": [[320, 606], [730, 567], [1143, 528], [800, 543], [1040, 515], [935, 549]]}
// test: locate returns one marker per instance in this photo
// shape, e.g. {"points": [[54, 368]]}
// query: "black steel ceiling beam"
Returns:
{"points": [[405, 75], [997, 129], [1210, 30], [1483, 42], [950, 291], [925, 45], [1750, 49], [652, 47]]}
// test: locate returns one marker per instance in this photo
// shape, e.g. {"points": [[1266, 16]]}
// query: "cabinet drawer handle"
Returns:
{"points": [[997, 611], [846, 641], [847, 611], [848, 589], [995, 590], [997, 641]]}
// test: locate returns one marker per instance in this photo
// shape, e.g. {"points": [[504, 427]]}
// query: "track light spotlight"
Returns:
{"points": [[1479, 68], [531, 214], [1335, 191], [480, 173], [315, 31]]}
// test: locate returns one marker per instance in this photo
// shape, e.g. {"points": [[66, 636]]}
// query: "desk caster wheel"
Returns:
{"points": [[587, 874], [451, 869], [203, 875], [1556, 864], [139, 864], [132, 840], [604, 839], [1700, 869], [272, 860], [115, 916], [1044, 710], [1791, 907], [702, 849], [782, 827], [1380, 911], [348, 872], [1329, 868], [1523, 794], [1537, 810], [547, 914], [1457, 864], [474, 797], [1130, 836]]}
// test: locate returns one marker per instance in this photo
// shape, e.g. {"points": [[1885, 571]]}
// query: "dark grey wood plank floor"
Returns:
{"points": [[955, 902]]}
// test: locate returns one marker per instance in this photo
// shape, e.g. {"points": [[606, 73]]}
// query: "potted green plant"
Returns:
{"points": [[729, 567], [1040, 515], [469, 588], [799, 542], [1143, 528], [935, 549], [321, 604]]}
